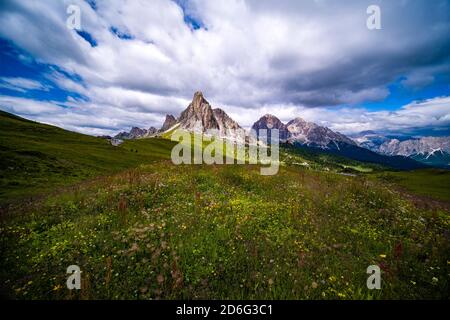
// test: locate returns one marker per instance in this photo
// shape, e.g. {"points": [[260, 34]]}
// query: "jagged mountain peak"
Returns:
{"points": [[270, 116], [310, 133], [227, 126], [198, 101], [136, 130], [199, 116], [169, 122], [297, 120], [198, 95], [219, 111], [136, 133], [269, 121], [300, 131]]}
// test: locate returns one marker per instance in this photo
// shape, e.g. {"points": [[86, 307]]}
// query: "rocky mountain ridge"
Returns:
{"points": [[299, 131], [429, 150], [136, 133]]}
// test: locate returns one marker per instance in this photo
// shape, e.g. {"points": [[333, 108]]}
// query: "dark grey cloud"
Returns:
{"points": [[414, 40]]}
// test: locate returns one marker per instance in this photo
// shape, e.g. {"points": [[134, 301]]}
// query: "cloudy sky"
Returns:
{"points": [[134, 61]]}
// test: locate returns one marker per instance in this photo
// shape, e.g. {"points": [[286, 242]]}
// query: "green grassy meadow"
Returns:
{"points": [[434, 183], [36, 158], [140, 227]]}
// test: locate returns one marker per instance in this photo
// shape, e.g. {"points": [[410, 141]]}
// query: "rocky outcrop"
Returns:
{"points": [[269, 122], [136, 133], [200, 117], [122, 135], [310, 133], [151, 132], [115, 142], [225, 122], [168, 123], [299, 131]]}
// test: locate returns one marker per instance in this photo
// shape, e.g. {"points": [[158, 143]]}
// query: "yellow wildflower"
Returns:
{"points": [[57, 287]]}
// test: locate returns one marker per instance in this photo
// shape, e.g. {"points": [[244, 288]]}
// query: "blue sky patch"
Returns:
{"points": [[88, 37], [193, 22], [121, 34], [15, 63], [92, 3]]}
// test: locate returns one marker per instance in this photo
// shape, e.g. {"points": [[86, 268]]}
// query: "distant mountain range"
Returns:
{"points": [[303, 134], [299, 131], [434, 151], [137, 133], [199, 117]]}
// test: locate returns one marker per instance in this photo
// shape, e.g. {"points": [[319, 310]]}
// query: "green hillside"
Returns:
{"points": [[35, 158], [433, 183], [319, 160]]}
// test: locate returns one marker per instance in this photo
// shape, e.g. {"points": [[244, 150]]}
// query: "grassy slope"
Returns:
{"points": [[326, 161], [315, 159], [35, 158], [433, 183], [165, 231]]}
